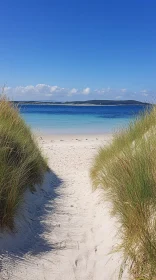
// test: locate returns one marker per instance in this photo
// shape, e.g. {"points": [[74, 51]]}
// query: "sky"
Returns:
{"points": [[63, 50]]}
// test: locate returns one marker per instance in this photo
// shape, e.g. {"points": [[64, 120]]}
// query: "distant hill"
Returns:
{"points": [[108, 102], [88, 102]]}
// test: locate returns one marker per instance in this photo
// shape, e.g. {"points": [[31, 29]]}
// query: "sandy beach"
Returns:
{"points": [[66, 232]]}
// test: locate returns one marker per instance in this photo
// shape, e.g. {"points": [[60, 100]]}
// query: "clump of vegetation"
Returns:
{"points": [[126, 170], [21, 163]]}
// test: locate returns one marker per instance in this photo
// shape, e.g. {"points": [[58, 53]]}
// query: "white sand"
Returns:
{"points": [[66, 233]]}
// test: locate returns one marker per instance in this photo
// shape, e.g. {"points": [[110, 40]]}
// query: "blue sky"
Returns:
{"points": [[78, 49]]}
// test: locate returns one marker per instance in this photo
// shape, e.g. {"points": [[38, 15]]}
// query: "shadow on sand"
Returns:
{"points": [[32, 224]]}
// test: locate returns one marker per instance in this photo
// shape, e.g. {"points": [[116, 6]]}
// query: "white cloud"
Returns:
{"points": [[44, 88], [55, 88], [103, 90], [48, 94], [73, 91], [100, 91], [144, 91], [38, 90], [56, 93], [123, 89], [118, 97], [86, 90]]}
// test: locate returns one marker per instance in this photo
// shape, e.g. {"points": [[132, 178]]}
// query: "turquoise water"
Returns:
{"points": [[52, 119]]}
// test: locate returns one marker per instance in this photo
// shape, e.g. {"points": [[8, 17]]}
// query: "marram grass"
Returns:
{"points": [[21, 163], [126, 170]]}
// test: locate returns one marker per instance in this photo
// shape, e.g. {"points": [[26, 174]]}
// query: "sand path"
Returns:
{"points": [[77, 233]]}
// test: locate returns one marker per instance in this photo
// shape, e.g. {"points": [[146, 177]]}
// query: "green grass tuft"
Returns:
{"points": [[126, 170], [21, 163]]}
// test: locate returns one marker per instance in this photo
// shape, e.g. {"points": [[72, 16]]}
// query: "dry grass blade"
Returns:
{"points": [[21, 163], [126, 170]]}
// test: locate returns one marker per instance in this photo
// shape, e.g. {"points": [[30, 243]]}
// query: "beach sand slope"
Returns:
{"points": [[72, 234]]}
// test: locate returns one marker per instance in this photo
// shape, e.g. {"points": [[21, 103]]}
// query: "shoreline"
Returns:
{"points": [[73, 137]]}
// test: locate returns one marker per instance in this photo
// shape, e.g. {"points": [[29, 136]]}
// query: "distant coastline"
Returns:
{"points": [[85, 103]]}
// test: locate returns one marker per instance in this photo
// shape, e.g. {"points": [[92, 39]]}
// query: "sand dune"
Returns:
{"points": [[66, 233]]}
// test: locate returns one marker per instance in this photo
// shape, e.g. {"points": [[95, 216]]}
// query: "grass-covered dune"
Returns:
{"points": [[21, 163], [126, 170]]}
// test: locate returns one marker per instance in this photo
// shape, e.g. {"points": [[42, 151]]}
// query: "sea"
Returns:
{"points": [[63, 119]]}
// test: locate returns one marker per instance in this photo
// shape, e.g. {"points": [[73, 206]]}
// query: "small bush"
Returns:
{"points": [[126, 170], [21, 163]]}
